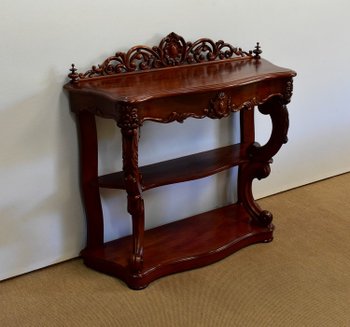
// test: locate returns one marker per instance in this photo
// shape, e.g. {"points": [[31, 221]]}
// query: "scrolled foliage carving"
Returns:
{"points": [[172, 50]]}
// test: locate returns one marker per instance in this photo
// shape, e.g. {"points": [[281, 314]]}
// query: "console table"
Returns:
{"points": [[172, 82]]}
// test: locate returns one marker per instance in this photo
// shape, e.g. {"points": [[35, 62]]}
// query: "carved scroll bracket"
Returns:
{"points": [[278, 112], [220, 106]]}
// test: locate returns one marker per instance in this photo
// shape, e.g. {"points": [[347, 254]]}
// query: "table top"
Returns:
{"points": [[140, 86]]}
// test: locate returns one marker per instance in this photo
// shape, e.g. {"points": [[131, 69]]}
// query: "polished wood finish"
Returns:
{"points": [[172, 82], [184, 244], [181, 169]]}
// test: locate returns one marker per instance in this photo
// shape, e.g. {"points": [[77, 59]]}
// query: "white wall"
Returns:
{"points": [[41, 216]]}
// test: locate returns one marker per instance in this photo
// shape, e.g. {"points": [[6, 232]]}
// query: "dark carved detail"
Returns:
{"points": [[128, 120], [173, 50], [221, 106], [289, 91]]}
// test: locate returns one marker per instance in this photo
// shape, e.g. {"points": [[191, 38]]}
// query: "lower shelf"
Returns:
{"points": [[182, 245]]}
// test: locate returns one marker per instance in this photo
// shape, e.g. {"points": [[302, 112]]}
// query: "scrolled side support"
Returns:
{"points": [[247, 174], [277, 109], [261, 158]]}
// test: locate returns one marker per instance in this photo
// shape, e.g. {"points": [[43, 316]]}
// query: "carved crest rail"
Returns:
{"points": [[173, 50]]}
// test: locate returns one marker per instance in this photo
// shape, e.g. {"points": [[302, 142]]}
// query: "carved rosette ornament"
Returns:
{"points": [[173, 50], [221, 106]]}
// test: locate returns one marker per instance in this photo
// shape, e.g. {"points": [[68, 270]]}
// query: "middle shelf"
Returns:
{"points": [[182, 169]]}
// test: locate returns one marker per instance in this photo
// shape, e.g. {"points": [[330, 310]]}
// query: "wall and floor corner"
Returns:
{"points": [[41, 216]]}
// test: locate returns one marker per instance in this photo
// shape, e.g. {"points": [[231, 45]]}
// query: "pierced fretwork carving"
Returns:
{"points": [[172, 50]]}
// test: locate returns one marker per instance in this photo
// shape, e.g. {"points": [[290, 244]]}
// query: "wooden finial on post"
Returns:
{"points": [[257, 51], [74, 76]]}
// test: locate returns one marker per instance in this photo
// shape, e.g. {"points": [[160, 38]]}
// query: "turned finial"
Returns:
{"points": [[257, 51], [74, 76]]}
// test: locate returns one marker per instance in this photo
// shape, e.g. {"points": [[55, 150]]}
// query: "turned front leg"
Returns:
{"points": [[133, 189], [130, 133]]}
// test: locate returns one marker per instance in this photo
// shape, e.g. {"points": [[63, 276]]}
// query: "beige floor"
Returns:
{"points": [[302, 278]]}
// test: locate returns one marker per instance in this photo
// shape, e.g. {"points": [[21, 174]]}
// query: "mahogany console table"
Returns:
{"points": [[172, 82]]}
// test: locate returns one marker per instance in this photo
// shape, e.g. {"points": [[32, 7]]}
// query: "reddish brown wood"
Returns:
{"points": [[213, 78], [172, 82], [182, 169], [132, 182], [89, 174], [192, 242], [173, 50]]}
